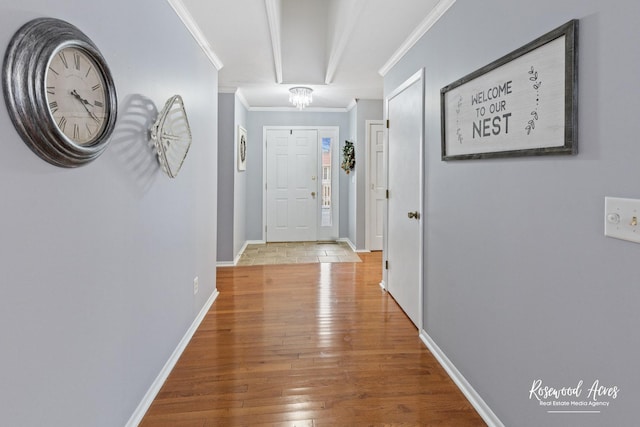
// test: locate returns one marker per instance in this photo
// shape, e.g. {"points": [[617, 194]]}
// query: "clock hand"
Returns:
{"points": [[84, 103], [81, 99]]}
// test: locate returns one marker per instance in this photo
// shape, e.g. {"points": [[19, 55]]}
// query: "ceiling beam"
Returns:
{"points": [[304, 41], [344, 20], [274, 17]]}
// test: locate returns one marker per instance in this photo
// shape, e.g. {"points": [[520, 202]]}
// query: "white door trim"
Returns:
{"points": [[335, 189], [417, 77], [368, 167]]}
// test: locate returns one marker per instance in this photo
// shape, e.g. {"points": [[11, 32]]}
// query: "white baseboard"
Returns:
{"points": [[474, 398], [240, 252], [237, 258], [151, 394], [226, 264], [348, 242], [352, 246]]}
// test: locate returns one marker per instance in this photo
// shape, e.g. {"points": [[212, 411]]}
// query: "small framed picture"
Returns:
{"points": [[242, 148]]}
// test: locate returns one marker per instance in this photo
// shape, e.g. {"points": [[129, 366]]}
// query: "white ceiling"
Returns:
{"points": [[339, 48]]}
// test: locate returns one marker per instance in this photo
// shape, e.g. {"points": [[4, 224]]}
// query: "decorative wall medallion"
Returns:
{"points": [[171, 135]]}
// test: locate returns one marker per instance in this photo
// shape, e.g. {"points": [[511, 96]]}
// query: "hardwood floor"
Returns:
{"points": [[308, 345]]}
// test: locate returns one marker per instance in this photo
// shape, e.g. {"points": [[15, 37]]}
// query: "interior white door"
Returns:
{"points": [[377, 185], [404, 216], [292, 185]]}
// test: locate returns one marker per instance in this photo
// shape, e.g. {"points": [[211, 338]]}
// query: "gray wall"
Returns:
{"points": [[97, 263], [256, 120], [240, 186], [521, 283], [226, 173], [232, 184]]}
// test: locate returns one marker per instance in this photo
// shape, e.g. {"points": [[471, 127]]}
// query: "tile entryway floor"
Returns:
{"points": [[297, 253]]}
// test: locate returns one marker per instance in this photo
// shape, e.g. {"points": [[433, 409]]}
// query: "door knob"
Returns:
{"points": [[313, 194], [415, 215]]}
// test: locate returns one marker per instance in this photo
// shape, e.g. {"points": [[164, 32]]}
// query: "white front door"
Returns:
{"points": [[405, 112], [292, 185], [377, 181]]}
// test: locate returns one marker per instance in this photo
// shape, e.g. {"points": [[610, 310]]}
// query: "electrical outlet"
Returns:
{"points": [[195, 285]]}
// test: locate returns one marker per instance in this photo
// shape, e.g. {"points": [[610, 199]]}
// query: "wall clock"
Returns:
{"points": [[59, 92]]}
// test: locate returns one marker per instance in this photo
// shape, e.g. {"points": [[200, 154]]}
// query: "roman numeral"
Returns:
{"points": [[76, 61], [98, 104], [76, 132], [89, 130], [63, 59], [62, 123], [88, 71], [56, 73], [53, 106], [51, 90], [96, 87]]}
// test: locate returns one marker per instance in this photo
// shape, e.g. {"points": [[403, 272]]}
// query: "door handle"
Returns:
{"points": [[313, 194], [415, 215]]}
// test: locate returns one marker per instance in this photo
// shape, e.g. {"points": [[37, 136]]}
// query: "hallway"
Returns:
{"points": [[308, 345]]}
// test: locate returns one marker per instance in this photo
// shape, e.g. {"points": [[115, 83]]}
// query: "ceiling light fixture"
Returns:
{"points": [[300, 96]]}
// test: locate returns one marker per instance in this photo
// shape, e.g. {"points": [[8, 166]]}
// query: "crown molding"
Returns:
{"points": [[237, 92], [428, 22], [195, 31], [242, 100], [227, 89], [296, 110]]}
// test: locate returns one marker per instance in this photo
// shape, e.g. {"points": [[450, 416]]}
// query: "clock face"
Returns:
{"points": [[76, 95], [59, 92]]}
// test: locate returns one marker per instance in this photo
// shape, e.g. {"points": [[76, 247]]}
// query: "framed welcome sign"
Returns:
{"points": [[523, 104]]}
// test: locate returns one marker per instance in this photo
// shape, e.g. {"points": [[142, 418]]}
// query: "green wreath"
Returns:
{"points": [[348, 157]]}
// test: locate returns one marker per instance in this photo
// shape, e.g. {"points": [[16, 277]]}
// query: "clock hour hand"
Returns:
{"points": [[79, 98], [84, 103]]}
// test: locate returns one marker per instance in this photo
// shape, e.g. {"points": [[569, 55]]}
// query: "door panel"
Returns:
{"points": [[292, 200], [378, 186], [404, 240], [379, 225]]}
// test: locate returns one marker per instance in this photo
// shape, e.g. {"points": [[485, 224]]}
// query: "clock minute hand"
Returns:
{"points": [[84, 103], [81, 99]]}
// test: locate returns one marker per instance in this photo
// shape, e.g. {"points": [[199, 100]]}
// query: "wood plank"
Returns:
{"points": [[307, 345]]}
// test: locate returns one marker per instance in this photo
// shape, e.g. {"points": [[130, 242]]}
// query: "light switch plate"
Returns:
{"points": [[622, 218]]}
